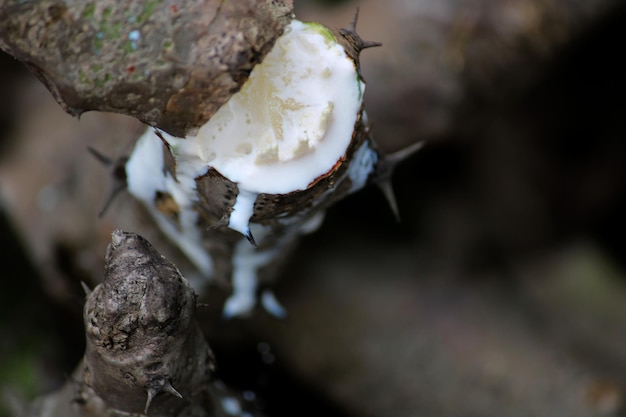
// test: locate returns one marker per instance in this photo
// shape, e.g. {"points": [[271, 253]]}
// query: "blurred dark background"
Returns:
{"points": [[502, 291]]}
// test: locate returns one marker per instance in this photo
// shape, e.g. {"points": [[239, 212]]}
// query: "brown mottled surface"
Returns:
{"points": [[171, 64]]}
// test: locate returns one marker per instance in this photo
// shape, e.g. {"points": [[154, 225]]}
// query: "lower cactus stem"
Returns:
{"points": [[145, 354], [142, 339]]}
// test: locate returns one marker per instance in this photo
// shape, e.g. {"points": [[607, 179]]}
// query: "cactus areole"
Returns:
{"points": [[290, 142]]}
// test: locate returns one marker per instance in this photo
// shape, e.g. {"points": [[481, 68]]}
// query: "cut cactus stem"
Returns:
{"points": [[291, 142]]}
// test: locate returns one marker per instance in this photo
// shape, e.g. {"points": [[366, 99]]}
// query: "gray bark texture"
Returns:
{"points": [[145, 351], [171, 64]]}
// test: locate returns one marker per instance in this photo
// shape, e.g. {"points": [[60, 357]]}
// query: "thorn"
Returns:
{"points": [[160, 135], [151, 394], [111, 198], [169, 161], [355, 19], [385, 167], [369, 44], [250, 238], [387, 189], [99, 156], [353, 37], [387, 163], [157, 386], [85, 288], [396, 157], [169, 388], [119, 176]]}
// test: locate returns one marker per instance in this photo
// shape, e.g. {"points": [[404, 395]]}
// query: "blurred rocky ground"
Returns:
{"points": [[503, 290]]}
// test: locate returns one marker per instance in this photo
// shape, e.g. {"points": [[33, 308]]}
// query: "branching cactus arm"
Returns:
{"points": [[171, 64]]}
